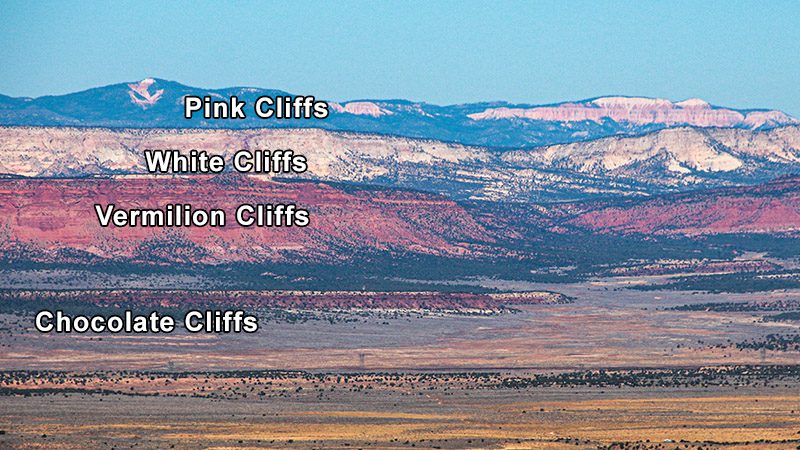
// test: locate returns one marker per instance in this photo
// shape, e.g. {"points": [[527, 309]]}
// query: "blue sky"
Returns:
{"points": [[733, 53]]}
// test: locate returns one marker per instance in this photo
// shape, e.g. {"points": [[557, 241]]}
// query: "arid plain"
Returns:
{"points": [[611, 367], [608, 273]]}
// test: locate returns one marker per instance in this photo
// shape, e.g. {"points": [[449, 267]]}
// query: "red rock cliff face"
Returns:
{"points": [[768, 208], [54, 220], [44, 216]]}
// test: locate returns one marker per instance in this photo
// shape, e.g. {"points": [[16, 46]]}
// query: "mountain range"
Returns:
{"points": [[51, 220], [37, 223], [398, 183], [669, 160], [158, 103]]}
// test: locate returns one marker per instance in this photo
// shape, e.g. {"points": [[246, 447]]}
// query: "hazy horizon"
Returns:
{"points": [[739, 55]]}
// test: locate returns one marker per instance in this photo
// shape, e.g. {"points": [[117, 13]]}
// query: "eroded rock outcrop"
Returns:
{"points": [[642, 111]]}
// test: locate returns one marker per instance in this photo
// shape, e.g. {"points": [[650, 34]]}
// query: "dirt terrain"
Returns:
{"points": [[599, 364], [735, 408], [606, 324]]}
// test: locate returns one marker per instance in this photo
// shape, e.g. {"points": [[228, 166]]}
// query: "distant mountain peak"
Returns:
{"points": [[694, 103], [140, 93], [642, 111], [157, 103], [631, 102], [360, 109], [619, 101]]}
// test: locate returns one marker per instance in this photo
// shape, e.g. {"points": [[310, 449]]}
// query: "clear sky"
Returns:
{"points": [[732, 53]]}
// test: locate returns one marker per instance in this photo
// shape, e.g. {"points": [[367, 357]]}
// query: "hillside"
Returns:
{"points": [[158, 103], [772, 208], [675, 159], [455, 170], [663, 161], [53, 220]]}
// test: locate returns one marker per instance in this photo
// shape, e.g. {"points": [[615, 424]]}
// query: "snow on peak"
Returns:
{"points": [[140, 93]]}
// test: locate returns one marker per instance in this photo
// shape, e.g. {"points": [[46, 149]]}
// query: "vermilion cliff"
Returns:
{"points": [[770, 208], [41, 217], [54, 220]]}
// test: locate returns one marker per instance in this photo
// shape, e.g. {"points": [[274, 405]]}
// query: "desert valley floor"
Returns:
{"points": [[605, 366], [604, 325], [384, 225]]}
